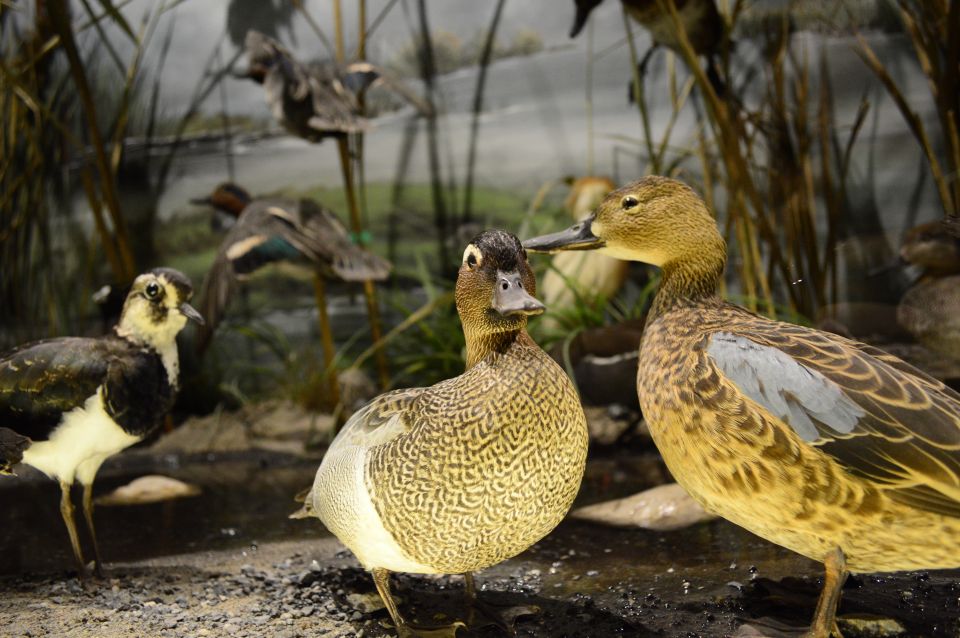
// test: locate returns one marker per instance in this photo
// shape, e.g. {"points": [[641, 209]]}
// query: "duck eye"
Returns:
{"points": [[153, 290], [629, 202], [472, 260], [472, 257]]}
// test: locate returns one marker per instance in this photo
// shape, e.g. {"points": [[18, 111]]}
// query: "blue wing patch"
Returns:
{"points": [[799, 396]]}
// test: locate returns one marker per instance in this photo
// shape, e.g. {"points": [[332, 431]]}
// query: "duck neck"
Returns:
{"points": [[482, 344], [688, 280]]}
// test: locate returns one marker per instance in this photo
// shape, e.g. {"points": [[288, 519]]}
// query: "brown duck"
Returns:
{"points": [[473, 470], [826, 446]]}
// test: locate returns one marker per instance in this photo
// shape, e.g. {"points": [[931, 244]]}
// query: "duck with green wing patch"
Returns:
{"points": [[473, 470], [826, 446]]}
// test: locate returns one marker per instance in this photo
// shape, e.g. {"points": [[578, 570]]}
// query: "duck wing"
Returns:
{"points": [[325, 235], [266, 232], [379, 422], [877, 416]]}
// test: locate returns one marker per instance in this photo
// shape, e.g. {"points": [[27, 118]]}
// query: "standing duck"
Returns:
{"points": [[274, 230], [829, 447], [66, 405], [473, 470], [930, 309]]}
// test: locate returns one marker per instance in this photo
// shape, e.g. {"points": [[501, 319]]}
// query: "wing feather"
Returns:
{"points": [[879, 417], [379, 422]]}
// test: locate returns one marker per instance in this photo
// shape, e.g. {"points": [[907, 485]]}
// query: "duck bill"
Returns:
{"points": [[510, 299], [191, 313], [577, 237]]}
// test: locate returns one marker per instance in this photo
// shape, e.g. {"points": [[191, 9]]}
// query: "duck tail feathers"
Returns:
{"points": [[12, 447]]}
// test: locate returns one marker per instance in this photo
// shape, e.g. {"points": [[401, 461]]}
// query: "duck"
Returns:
{"points": [[271, 230], [930, 309], [584, 277], [826, 446], [319, 100], [701, 20], [461, 475], [68, 404]]}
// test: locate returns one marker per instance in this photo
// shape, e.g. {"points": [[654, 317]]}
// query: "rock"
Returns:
{"points": [[365, 603], [866, 626], [662, 508], [152, 488], [604, 427]]}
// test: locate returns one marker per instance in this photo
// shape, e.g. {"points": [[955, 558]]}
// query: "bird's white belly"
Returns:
{"points": [[85, 438], [342, 503]]}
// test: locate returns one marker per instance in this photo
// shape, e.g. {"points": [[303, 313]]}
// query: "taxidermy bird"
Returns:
{"points": [[464, 474], [318, 100], [586, 277], [68, 404], [821, 444], [930, 309], [701, 20], [271, 230]]}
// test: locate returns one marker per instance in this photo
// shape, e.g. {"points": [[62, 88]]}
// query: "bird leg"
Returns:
{"points": [[825, 619], [66, 511], [381, 579], [88, 515], [505, 620], [326, 337]]}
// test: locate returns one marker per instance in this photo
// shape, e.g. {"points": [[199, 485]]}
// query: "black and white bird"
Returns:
{"points": [[68, 404]]}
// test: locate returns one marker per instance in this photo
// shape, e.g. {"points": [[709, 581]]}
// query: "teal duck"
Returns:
{"points": [[270, 230], [823, 445], [68, 404], [464, 474]]}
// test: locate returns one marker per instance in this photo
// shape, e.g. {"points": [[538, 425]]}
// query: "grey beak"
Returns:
{"points": [[191, 313], [509, 297], [577, 237]]}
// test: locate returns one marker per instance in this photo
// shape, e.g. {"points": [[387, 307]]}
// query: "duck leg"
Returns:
{"points": [[66, 511], [505, 619], [326, 337], [825, 619], [381, 578], [88, 516]]}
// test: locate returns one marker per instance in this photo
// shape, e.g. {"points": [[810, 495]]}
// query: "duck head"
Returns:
{"points": [[157, 308], [656, 220], [495, 286], [934, 246], [226, 197], [263, 53]]}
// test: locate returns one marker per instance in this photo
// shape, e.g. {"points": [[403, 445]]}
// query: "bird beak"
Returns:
{"points": [[578, 237], [579, 20], [510, 299], [191, 313]]}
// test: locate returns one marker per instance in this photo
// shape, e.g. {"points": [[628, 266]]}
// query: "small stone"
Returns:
{"points": [[868, 626]]}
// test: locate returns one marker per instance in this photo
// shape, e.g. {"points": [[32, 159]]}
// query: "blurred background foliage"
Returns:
{"points": [[836, 132]]}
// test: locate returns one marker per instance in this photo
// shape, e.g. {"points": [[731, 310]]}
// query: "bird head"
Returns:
{"points": [[226, 197], [932, 246], [157, 307], [656, 220], [495, 286]]}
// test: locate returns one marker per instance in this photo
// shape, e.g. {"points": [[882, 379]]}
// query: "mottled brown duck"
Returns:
{"points": [[930, 309], [826, 446], [464, 474]]}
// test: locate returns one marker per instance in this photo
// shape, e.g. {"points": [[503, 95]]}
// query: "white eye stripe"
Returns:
{"points": [[472, 251]]}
